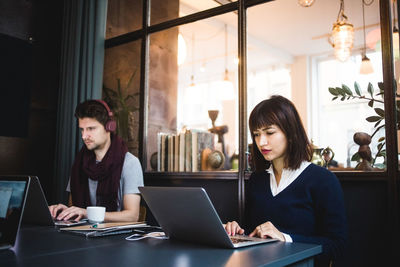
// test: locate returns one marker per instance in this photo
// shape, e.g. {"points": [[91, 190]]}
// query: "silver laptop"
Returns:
{"points": [[13, 193], [186, 213], [37, 210]]}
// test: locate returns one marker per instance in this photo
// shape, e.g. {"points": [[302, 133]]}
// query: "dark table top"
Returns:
{"points": [[45, 246]]}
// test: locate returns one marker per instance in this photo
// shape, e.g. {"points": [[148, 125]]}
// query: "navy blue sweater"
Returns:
{"points": [[311, 209]]}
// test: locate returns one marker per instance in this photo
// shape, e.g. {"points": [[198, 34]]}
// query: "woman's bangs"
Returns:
{"points": [[262, 118]]}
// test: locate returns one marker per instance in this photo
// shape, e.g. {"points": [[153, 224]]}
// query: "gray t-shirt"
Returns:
{"points": [[131, 179]]}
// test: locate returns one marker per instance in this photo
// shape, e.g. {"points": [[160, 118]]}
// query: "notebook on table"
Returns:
{"points": [[104, 229], [13, 193], [187, 214], [37, 210]]}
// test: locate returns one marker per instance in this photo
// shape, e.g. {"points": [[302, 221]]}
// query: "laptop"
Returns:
{"points": [[37, 210], [187, 214], [13, 193]]}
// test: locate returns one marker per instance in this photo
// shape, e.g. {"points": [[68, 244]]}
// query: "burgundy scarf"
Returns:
{"points": [[107, 173]]}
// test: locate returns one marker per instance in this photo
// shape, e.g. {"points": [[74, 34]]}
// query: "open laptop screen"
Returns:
{"points": [[12, 200]]}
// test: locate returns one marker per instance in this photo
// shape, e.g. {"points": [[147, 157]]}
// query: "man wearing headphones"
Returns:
{"points": [[104, 173]]}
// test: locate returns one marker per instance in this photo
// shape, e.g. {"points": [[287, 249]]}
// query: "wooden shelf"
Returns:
{"points": [[343, 176], [219, 175]]}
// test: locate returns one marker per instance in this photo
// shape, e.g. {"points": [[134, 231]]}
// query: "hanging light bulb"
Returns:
{"points": [[226, 87], [192, 84], [342, 35], [305, 3], [366, 66]]}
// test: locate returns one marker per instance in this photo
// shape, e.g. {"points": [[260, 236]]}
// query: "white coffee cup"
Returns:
{"points": [[95, 214]]}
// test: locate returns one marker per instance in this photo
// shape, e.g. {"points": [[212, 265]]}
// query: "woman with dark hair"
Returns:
{"points": [[288, 197]]}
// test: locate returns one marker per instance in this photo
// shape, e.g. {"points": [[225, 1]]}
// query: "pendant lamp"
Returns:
{"points": [[342, 35], [366, 66]]}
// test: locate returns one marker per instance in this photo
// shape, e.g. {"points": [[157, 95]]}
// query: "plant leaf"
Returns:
{"points": [[341, 91], [373, 118], [379, 146], [380, 85], [355, 157], [347, 90], [343, 98], [333, 91], [357, 88], [128, 97], [131, 79], [376, 124], [381, 139], [380, 112], [371, 103], [371, 89], [334, 98]]}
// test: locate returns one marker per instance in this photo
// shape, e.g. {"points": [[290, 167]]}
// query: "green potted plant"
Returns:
{"points": [[345, 93], [118, 99]]}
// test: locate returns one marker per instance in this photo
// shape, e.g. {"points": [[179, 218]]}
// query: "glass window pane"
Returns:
{"points": [[121, 90], [163, 10], [193, 70], [292, 55], [123, 16]]}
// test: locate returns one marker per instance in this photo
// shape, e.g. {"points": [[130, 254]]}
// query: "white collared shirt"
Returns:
{"points": [[287, 177]]}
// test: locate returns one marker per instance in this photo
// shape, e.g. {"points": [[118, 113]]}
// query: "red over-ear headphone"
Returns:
{"points": [[111, 124]]}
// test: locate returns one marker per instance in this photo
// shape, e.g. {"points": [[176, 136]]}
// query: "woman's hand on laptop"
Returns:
{"points": [[72, 213], [267, 230], [233, 228]]}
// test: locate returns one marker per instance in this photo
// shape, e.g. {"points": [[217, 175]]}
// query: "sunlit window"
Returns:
{"points": [[334, 122]]}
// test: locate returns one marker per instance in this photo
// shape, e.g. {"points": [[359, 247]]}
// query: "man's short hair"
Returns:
{"points": [[92, 109]]}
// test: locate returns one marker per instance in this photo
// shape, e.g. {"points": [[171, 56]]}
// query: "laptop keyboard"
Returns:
{"points": [[236, 240]]}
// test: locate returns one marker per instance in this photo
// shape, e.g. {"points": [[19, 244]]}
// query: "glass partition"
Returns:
{"points": [[193, 115], [292, 55], [121, 90], [123, 16]]}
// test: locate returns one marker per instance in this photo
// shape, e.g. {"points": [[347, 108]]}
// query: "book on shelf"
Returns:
{"points": [[188, 151], [195, 167], [160, 150], [170, 157], [176, 152], [182, 152]]}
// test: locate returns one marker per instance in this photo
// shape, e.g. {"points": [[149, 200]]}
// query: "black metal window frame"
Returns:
{"points": [[392, 171]]}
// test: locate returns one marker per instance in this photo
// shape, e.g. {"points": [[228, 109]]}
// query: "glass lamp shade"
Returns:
{"points": [[343, 38], [366, 66], [224, 89], [305, 3]]}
